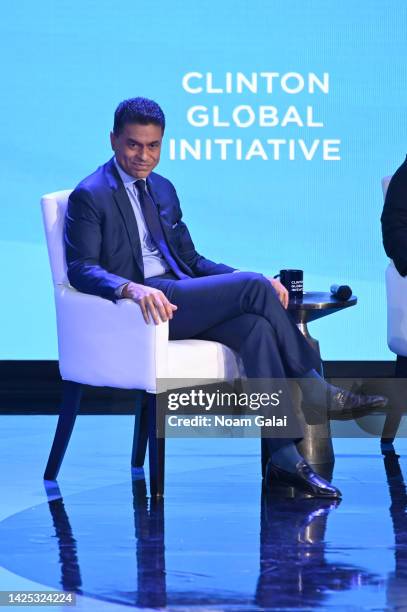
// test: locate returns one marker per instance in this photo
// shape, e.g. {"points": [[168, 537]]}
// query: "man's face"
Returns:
{"points": [[138, 148]]}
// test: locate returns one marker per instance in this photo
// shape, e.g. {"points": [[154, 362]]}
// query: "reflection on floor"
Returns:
{"points": [[216, 542]]}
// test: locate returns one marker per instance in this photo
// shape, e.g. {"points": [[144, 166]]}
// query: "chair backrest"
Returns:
{"points": [[53, 213], [385, 184], [396, 302]]}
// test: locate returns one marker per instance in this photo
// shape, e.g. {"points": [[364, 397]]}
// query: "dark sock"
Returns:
{"points": [[315, 389], [286, 457]]}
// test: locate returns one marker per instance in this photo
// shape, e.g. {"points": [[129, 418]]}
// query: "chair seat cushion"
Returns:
{"points": [[201, 360]]}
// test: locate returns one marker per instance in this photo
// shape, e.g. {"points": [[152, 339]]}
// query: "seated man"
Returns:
{"points": [[125, 238]]}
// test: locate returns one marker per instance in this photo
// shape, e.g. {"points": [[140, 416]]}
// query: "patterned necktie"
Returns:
{"points": [[153, 223]]}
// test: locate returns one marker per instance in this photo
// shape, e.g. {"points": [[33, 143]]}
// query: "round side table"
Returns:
{"points": [[316, 445], [315, 305]]}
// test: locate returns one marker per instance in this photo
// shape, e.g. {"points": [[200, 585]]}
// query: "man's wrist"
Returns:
{"points": [[119, 291]]}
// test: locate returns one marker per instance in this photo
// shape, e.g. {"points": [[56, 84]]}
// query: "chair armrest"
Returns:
{"points": [[105, 344], [396, 289]]}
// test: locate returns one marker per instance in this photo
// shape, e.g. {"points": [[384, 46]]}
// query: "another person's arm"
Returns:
{"points": [[394, 220]]}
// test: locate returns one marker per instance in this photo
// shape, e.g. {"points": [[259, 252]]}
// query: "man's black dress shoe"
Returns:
{"points": [[347, 405], [304, 478]]}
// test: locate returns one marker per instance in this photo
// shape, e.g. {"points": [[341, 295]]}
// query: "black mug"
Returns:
{"points": [[293, 281]]}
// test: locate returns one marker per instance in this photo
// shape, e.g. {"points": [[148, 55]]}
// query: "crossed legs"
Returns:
{"points": [[242, 311]]}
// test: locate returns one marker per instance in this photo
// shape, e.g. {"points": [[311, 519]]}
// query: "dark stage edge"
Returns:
{"points": [[34, 387]]}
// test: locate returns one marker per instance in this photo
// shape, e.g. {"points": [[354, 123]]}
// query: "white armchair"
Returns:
{"points": [[105, 344], [396, 289]]}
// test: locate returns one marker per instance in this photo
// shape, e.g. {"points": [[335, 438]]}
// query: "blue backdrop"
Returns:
{"points": [[66, 65]]}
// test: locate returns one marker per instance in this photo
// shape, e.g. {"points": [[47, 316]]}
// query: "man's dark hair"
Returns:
{"points": [[138, 110]]}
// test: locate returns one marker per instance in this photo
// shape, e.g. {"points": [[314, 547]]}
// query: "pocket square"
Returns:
{"points": [[174, 225]]}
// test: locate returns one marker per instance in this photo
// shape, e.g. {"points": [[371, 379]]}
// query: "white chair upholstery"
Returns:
{"points": [[385, 185], [105, 344], [396, 289]]}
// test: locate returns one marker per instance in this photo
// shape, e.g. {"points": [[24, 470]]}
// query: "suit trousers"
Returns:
{"points": [[242, 311]]}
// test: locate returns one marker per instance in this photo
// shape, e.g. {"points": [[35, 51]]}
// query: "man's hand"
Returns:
{"points": [[280, 290], [151, 301]]}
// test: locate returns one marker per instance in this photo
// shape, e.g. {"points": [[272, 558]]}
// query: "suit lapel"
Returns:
{"points": [[123, 203], [154, 194], [153, 191], [156, 199]]}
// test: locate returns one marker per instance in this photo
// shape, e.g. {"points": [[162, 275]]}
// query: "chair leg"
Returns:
{"points": [[264, 457], [393, 418], [140, 435], [397, 403], [390, 428], [71, 400], [156, 448]]}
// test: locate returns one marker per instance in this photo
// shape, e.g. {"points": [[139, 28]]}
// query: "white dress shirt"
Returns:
{"points": [[153, 261]]}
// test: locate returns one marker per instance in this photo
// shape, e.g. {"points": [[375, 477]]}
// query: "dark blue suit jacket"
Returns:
{"points": [[394, 219], [102, 244]]}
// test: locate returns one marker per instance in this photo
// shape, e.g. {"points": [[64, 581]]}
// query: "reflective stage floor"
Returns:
{"points": [[214, 543]]}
